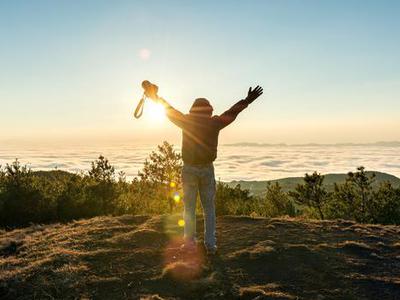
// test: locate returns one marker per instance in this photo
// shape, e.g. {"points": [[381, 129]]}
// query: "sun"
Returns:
{"points": [[154, 112]]}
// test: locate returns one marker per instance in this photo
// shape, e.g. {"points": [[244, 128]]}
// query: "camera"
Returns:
{"points": [[150, 89]]}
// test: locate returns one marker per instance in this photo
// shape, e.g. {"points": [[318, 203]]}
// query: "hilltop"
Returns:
{"points": [[259, 187], [134, 257]]}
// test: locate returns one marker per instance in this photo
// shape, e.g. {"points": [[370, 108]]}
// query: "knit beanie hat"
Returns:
{"points": [[201, 106]]}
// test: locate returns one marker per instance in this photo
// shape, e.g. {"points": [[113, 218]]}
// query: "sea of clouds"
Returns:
{"points": [[234, 162]]}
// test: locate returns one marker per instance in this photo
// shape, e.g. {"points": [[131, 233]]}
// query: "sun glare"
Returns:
{"points": [[177, 198], [154, 112]]}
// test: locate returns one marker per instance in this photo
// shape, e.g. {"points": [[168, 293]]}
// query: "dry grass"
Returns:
{"points": [[138, 257]]}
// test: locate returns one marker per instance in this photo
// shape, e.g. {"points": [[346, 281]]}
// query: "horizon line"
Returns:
{"points": [[261, 144]]}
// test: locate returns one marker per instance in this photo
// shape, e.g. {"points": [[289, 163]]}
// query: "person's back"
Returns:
{"points": [[200, 131], [199, 140]]}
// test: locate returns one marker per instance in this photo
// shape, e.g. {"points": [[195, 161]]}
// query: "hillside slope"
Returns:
{"points": [[259, 187], [134, 257]]}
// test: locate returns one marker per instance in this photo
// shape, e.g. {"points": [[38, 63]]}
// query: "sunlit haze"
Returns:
{"points": [[71, 70]]}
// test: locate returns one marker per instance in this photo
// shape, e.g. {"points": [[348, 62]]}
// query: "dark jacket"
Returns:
{"points": [[200, 132]]}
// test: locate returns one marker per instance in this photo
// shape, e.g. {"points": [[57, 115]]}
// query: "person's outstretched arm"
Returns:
{"points": [[174, 115], [230, 115]]}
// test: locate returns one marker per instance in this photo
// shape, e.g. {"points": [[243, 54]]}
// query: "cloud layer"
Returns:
{"points": [[234, 162]]}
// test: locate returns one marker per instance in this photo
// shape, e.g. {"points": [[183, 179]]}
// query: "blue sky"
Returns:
{"points": [[72, 69]]}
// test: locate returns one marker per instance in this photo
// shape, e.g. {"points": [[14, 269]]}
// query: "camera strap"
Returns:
{"points": [[139, 108]]}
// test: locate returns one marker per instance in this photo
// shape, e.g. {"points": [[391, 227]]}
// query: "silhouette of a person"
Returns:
{"points": [[200, 132]]}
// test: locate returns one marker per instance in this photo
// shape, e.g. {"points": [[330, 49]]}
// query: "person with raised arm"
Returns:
{"points": [[200, 131]]}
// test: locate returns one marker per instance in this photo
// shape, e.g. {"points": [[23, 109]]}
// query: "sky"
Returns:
{"points": [[71, 70]]}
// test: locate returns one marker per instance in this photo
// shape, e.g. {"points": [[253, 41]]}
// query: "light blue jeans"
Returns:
{"points": [[199, 180]]}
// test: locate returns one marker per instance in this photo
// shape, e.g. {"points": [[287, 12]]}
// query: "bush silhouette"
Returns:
{"points": [[162, 175], [277, 202], [356, 199], [233, 201], [24, 198], [312, 193]]}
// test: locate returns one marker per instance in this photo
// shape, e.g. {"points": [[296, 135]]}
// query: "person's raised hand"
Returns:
{"points": [[150, 90], [254, 94]]}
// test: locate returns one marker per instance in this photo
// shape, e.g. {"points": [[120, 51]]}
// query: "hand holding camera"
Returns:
{"points": [[150, 90]]}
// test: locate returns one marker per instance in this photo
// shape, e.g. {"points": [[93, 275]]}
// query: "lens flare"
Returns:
{"points": [[177, 198], [181, 222], [144, 53], [182, 263], [172, 184]]}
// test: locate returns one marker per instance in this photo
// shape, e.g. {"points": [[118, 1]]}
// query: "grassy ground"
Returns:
{"points": [[134, 257]]}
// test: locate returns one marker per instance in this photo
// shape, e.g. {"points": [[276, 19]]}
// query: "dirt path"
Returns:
{"points": [[133, 257]]}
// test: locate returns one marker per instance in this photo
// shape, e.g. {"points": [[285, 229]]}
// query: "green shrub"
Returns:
{"points": [[162, 176], [387, 204], [354, 199], [312, 193], [234, 201], [276, 202], [22, 197]]}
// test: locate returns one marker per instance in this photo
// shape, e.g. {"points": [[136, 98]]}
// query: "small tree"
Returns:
{"points": [[387, 201], [102, 170], [312, 193], [2, 178], [75, 202], [354, 198], [103, 188], [234, 200], [363, 187], [162, 170], [276, 202], [22, 200], [2, 185], [342, 201]]}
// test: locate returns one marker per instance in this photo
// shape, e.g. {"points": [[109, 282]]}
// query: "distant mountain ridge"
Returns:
{"points": [[259, 187]]}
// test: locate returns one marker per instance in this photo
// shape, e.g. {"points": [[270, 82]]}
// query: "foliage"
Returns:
{"points": [[356, 199], [277, 202], [257, 187], [102, 190], [387, 200], [233, 201], [41, 197], [312, 193], [22, 197], [162, 175]]}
